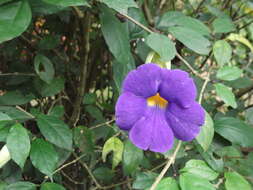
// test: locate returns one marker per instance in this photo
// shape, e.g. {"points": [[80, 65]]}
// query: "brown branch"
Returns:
{"points": [[85, 22]]}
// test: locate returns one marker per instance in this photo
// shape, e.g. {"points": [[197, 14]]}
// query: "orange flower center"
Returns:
{"points": [[157, 100]]}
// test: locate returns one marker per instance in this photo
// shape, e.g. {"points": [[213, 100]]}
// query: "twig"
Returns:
{"points": [[167, 166], [27, 113], [203, 89], [17, 74], [199, 6], [190, 67], [102, 124], [137, 23], [85, 46]]}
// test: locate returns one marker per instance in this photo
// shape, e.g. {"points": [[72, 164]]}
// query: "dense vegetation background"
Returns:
{"points": [[62, 63]]}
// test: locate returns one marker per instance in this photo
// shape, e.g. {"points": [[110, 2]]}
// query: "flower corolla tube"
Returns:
{"points": [[157, 105]]}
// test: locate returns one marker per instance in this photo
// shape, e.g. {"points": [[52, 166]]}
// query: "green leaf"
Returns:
{"points": [[207, 132], [200, 169], [55, 131], [235, 181], [113, 144], [222, 52], [167, 183], [44, 157], [120, 6], [57, 111], [89, 98], [174, 18], [41, 62], [67, 3], [51, 186], [190, 181], [124, 61], [18, 144], [15, 113], [235, 130], [162, 45], [84, 139], [144, 180], [223, 25], [104, 174], [21, 186], [4, 117], [15, 98], [226, 94], [42, 8], [229, 73], [45, 89], [132, 157], [14, 19], [49, 42], [249, 115], [191, 39]]}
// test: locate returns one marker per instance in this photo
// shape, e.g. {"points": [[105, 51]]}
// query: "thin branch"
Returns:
{"points": [[167, 166], [203, 89], [17, 74], [199, 6], [27, 113], [102, 124], [85, 47]]}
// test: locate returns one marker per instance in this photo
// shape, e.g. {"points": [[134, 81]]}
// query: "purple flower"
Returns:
{"points": [[157, 105]]}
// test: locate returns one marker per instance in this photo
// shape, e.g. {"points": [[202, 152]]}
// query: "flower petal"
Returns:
{"points": [[178, 87], [185, 122], [152, 132], [144, 81], [129, 108]]}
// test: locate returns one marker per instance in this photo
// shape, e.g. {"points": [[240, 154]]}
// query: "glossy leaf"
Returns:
{"points": [[162, 45], [235, 181], [167, 183], [21, 186], [191, 39], [222, 52], [51, 186], [18, 144], [223, 25], [132, 157], [41, 62], [104, 174], [190, 181], [65, 3], [15, 17], [55, 131], [235, 130], [15, 98], [200, 169], [44, 157], [120, 6], [229, 73], [226, 94], [144, 180], [115, 145]]}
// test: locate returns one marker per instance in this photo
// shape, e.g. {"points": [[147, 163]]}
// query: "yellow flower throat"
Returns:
{"points": [[157, 100]]}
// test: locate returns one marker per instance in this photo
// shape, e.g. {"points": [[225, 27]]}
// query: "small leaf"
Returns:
{"points": [[67, 3], [223, 25], [190, 181], [55, 131], [47, 74], [162, 45], [15, 17], [207, 132], [241, 39], [144, 180], [167, 183], [235, 181], [191, 39], [225, 94], [200, 169], [222, 52], [132, 157], [120, 6], [43, 156], [229, 73], [104, 174], [84, 139], [51, 186], [18, 144], [235, 130], [113, 144], [21, 186]]}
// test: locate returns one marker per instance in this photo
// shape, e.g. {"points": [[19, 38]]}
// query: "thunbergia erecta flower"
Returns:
{"points": [[157, 105]]}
